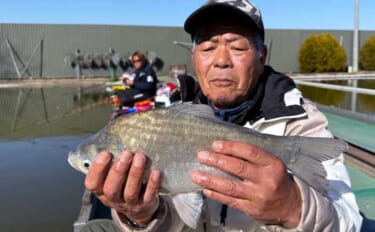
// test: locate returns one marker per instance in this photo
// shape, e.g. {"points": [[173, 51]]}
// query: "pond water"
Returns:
{"points": [[39, 191], [340, 99]]}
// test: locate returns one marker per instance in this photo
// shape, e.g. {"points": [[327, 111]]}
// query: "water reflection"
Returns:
{"points": [[324, 96], [340, 99], [367, 102], [39, 112], [40, 192]]}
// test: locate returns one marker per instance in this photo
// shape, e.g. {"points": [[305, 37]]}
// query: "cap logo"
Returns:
{"points": [[243, 5], [238, 9]]}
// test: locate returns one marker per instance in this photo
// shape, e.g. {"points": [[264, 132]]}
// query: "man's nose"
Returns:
{"points": [[222, 57]]}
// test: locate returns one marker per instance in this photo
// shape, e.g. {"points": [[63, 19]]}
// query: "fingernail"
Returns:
{"points": [[139, 161], [125, 157], [193, 176], [124, 160], [102, 158], [217, 145], [197, 178], [207, 192], [203, 155], [156, 176]]}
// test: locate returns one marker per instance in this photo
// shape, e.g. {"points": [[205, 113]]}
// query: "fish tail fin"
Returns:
{"points": [[311, 152]]}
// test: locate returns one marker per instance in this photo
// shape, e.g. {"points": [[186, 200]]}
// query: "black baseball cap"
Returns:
{"points": [[214, 9]]}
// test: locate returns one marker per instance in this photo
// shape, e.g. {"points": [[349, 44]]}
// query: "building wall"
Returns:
{"points": [[58, 41], [61, 40]]}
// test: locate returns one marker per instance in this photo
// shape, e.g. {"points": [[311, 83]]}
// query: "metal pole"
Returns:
{"points": [[29, 61], [111, 52], [336, 87], [13, 58], [355, 36], [185, 45], [355, 54], [269, 52], [78, 58], [41, 58]]}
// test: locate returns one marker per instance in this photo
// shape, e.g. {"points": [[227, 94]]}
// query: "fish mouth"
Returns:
{"points": [[71, 156]]}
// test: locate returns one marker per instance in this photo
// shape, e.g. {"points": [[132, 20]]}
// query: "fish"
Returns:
{"points": [[171, 137]]}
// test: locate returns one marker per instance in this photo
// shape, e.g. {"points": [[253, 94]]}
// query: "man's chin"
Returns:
{"points": [[223, 103]]}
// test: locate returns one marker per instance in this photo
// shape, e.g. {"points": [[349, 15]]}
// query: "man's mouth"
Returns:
{"points": [[221, 82]]}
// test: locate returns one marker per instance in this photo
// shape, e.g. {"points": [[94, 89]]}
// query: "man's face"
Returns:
{"points": [[227, 64]]}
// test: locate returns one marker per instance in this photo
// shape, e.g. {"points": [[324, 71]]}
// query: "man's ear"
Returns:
{"points": [[263, 56]]}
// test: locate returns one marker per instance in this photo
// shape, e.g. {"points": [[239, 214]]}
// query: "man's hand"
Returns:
{"points": [[129, 81], [266, 192], [119, 185]]}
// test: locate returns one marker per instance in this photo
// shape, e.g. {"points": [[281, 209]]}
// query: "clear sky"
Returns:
{"points": [[277, 14]]}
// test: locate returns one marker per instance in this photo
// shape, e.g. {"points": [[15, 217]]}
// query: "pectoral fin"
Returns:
{"points": [[189, 207]]}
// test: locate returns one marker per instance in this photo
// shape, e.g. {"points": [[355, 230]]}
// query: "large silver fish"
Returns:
{"points": [[171, 138]]}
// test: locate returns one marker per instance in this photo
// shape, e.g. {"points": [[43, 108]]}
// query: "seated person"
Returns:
{"points": [[143, 83]]}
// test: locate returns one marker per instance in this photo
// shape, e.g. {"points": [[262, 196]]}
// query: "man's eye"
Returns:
{"points": [[208, 48], [238, 49]]}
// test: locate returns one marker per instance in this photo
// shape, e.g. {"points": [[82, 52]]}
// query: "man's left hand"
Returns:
{"points": [[129, 81], [265, 191]]}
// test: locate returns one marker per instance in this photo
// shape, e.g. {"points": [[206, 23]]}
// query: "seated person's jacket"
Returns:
{"points": [[145, 79]]}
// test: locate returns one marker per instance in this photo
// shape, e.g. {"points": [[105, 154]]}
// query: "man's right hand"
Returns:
{"points": [[119, 185]]}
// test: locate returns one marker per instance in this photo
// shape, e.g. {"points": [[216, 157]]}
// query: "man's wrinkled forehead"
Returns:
{"points": [[210, 30]]}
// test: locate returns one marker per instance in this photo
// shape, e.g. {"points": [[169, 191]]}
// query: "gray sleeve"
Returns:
{"points": [[318, 213], [166, 219]]}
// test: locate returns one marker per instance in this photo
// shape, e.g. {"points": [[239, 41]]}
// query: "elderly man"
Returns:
{"points": [[229, 59]]}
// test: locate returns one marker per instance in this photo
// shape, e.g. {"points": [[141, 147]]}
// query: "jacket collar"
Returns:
{"points": [[269, 101]]}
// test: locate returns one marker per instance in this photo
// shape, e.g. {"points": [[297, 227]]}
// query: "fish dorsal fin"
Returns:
{"points": [[189, 207], [206, 112], [197, 110]]}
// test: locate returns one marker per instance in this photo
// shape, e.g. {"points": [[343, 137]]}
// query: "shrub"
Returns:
{"points": [[367, 55], [322, 53]]}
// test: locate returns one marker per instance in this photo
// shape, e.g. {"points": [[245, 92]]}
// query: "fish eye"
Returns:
{"points": [[86, 163]]}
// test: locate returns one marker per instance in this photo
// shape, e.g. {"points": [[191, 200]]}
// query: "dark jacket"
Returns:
{"points": [[145, 79], [267, 101]]}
